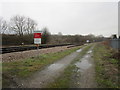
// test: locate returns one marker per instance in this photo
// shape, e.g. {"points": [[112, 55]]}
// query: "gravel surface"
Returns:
{"points": [[8, 57]]}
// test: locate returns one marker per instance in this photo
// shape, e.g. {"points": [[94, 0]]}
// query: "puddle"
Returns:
{"points": [[85, 73], [55, 66], [84, 63], [86, 57], [90, 51], [79, 50]]}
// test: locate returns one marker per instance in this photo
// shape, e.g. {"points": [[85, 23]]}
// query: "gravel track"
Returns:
{"points": [[8, 57]]}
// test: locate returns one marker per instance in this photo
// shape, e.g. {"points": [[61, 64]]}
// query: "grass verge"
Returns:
{"points": [[26, 67], [64, 81], [106, 66]]}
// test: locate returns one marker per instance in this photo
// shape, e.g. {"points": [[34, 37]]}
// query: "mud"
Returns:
{"points": [[42, 78], [85, 72]]}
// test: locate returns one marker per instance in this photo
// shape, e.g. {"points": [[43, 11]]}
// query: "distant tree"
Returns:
{"points": [[3, 26], [22, 25], [76, 39], [45, 36], [30, 25], [59, 33], [100, 36], [92, 36], [59, 38], [17, 24]]}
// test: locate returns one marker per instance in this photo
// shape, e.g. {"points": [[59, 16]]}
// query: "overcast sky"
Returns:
{"points": [[99, 18]]}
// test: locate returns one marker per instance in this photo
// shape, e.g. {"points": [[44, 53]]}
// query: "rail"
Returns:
{"points": [[25, 48]]}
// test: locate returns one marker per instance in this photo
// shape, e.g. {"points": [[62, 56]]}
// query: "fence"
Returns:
{"points": [[115, 43]]}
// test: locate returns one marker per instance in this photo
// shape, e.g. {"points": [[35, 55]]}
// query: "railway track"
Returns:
{"points": [[25, 48]]}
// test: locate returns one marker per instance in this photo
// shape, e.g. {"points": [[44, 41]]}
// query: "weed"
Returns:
{"points": [[106, 67]]}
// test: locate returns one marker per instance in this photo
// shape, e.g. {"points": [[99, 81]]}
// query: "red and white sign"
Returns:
{"points": [[37, 37]]}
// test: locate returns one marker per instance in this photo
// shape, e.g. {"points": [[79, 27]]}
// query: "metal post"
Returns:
{"points": [[22, 44], [37, 49], [37, 46]]}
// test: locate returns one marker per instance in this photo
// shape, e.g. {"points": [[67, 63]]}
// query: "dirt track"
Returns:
{"points": [[49, 73], [85, 74]]}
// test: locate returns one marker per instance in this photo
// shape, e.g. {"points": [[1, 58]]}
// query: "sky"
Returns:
{"points": [[68, 17]]}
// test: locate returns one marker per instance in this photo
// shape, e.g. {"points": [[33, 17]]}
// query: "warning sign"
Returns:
{"points": [[37, 37]]}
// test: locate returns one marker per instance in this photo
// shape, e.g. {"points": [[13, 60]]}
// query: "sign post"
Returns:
{"points": [[37, 38]]}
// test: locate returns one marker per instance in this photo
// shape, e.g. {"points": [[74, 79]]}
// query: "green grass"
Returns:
{"points": [[65, 79], [106, 67], [26, 67], [114, 61]]}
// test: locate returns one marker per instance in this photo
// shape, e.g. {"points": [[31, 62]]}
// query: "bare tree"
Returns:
{"points": [[22, 25], [17, 24], [3, 26], [30, 25]]}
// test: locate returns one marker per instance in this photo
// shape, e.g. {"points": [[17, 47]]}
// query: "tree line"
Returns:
{"points": [[19, 25], [20, 30]]}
